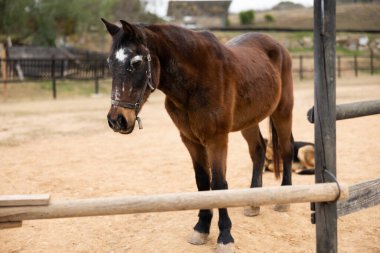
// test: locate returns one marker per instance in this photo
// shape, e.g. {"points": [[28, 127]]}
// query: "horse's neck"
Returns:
{"points": [[182, 55]]}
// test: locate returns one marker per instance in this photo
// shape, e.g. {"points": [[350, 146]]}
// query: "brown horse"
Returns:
{"points": [[211, 89]]}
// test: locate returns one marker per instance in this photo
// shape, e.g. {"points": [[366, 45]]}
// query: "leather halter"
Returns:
{"points": [[137, 104]]}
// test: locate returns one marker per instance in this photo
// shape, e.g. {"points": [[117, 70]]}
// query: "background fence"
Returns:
{"points": [[22, 70], [346, 65], [18, 70]]}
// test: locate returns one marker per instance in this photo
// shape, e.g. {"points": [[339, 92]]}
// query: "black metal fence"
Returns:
{"points": [[21, 70], [346, 65]]}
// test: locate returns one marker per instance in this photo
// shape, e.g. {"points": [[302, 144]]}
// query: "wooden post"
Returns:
{"points": [[54, 87], [325, 124]]}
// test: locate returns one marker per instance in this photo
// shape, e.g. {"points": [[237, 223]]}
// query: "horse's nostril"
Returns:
{"points": [[122, 122], [111, 122]]}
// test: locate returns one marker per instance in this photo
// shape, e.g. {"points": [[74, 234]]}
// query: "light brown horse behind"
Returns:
{"points": [[211, 89]]}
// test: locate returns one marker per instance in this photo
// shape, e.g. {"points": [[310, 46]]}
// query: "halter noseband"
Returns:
{"points": [[136, 106]]}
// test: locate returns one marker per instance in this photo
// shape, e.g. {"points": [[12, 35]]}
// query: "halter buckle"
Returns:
{"points": [[139, 122]]}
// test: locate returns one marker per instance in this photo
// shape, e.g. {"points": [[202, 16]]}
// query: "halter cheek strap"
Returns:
{"points": [[136, 106]]}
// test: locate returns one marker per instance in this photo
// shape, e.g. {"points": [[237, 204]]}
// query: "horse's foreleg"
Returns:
{"points": [[202, 176], [217, 154], [257, 148]]}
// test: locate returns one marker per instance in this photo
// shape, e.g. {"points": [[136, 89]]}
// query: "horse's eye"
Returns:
{"points": [[136, 64], [136, 61]]}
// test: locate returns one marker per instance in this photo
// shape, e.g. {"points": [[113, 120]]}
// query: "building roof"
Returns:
{"points": [[36, 52], [181, 8], [30, 52]]}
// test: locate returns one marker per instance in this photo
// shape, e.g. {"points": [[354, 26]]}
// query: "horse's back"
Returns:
{"points": [[253, 43], [262, 47], [264, 71]]}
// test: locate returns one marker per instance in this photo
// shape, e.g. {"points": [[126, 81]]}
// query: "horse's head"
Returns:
{"points": [[131, 67]]}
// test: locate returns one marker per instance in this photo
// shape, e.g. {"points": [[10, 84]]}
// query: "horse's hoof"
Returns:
{"points": [[225, 248], [251, 211], [282, 207], [197, 238]]}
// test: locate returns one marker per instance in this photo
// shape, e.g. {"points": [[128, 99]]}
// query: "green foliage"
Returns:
{"points": [[41, 22], [14, 16], [247, 17], [269, 18], [228, 22]]}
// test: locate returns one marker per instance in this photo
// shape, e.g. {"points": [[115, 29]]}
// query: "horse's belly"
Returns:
{"points": [[254, 106], [249, 117]]}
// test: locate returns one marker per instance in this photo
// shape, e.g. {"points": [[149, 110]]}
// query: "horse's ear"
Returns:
{"points": [[111, 28], [132, 30]]}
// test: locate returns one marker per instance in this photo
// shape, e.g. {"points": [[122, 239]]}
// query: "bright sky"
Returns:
{"points": [[160, 6], [238, 5]]}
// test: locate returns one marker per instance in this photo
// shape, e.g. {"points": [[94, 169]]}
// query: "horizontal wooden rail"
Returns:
{"points": [[352, 110], [176, 202], [24, 200], [363, 195]]}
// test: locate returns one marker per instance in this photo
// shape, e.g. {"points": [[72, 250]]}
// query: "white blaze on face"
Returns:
{"points": [[117, 93], [121, 55]]}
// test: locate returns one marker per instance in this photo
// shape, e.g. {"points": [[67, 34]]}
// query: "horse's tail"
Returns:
{"points": [[276, 149]]}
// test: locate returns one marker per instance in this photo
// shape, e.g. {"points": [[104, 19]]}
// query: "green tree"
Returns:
{"points": [[14, 17], [269, 18], [247, 17], [41, 22]]}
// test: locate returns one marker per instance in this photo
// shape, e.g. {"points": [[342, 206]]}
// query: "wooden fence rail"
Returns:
{"points": [[351, 110], [362, 196], [173, 202]]}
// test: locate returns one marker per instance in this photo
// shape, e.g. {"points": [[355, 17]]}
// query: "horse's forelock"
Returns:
{"points": [[121, 39]]}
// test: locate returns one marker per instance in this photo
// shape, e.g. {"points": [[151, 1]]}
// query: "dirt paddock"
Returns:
{"points": [[66, 148]]}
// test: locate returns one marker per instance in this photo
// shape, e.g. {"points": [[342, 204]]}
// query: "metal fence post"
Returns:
{"points": [[356, 64], [339, 67], [53, 77], [62, 74], [301, 67], [96, 77]]}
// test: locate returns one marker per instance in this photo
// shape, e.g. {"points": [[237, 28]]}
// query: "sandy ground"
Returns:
{"points": [[65, 148]]}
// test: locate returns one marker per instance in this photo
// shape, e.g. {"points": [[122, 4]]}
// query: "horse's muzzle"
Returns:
{"points": [[120, 124]]}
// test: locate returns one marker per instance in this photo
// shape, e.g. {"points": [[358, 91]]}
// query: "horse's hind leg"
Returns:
{"points": [[283, 126], [202, 176], [257, 149]]}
